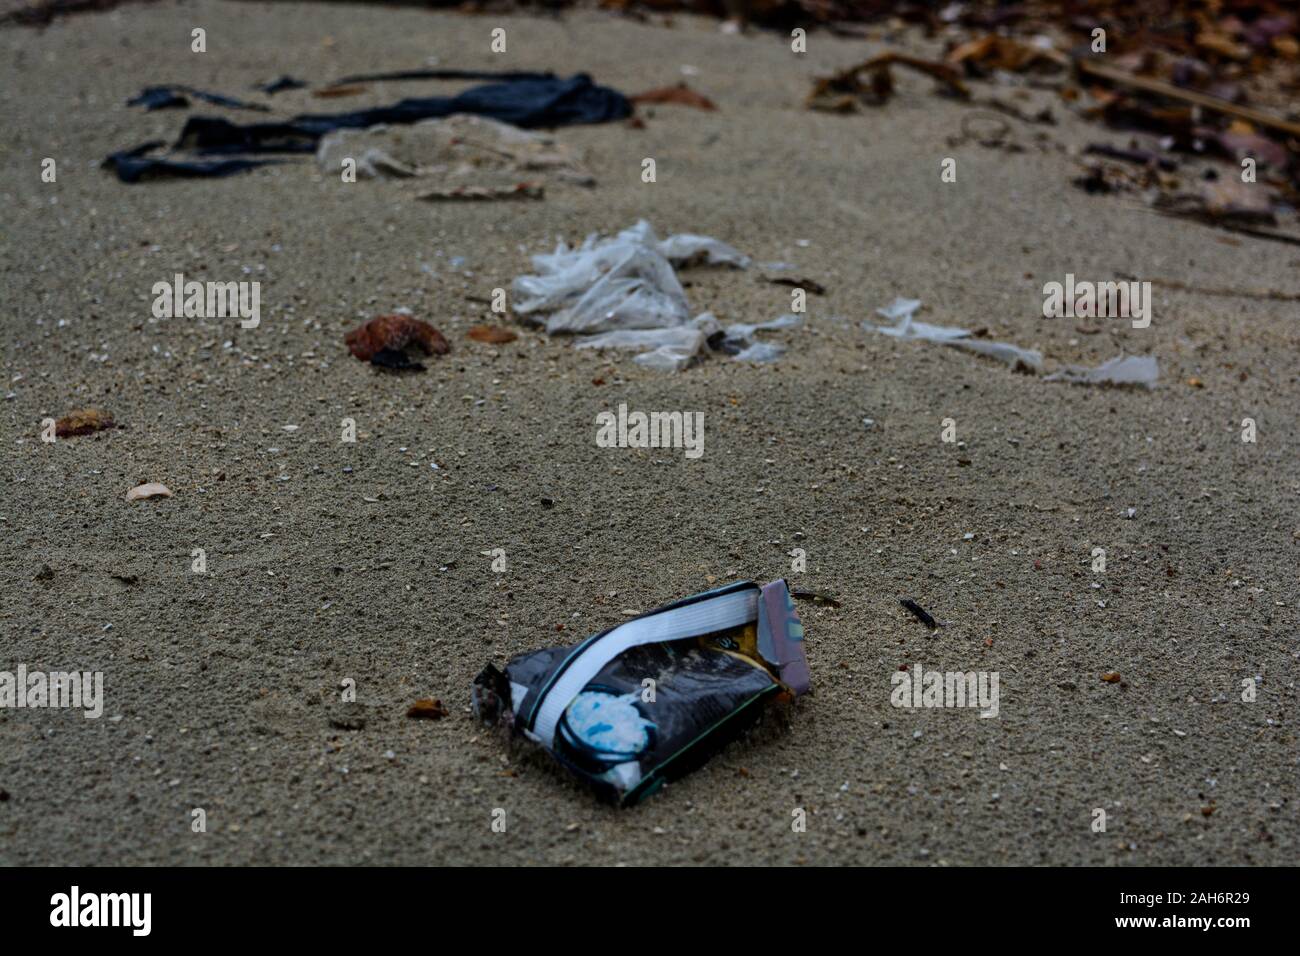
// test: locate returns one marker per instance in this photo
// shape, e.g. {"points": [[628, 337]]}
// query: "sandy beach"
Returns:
{"points": [[330, 562]]}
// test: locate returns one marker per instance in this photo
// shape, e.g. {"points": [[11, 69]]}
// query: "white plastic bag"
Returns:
{"points": [[623, 282]]}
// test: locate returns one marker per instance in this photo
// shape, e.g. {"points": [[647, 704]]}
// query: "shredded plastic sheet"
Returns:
{"points": [[623, 282], [906, 327], [670, 350], [1140, 370], [459, 148], [739, 340], [622, 292]]}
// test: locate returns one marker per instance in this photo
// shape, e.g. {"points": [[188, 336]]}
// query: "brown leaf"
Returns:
{"points": [[427, 708], [333, 92], [492, 334], [1111, 677], [681, 94], [83, 421], [389, 335], [993, 52]]}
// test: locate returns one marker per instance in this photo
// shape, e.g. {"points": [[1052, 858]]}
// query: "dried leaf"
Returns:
{"points": [[1111, 677], [83, 421], [333, 92], [492, 334], [427, 708], [843, 91], [681, 94]]}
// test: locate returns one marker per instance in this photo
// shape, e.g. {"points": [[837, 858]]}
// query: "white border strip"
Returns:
{"points": [[694, 620]]}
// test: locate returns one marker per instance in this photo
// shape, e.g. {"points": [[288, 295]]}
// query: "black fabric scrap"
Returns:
{"points": [[207, 134], [527, 100], [170, 97], [537, 100], [134, 165], [285, 82], [919, 613], [510, 75]]}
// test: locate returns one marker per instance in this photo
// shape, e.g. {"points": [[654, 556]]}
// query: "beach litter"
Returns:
{"points": [[1135, 370], [280, 84], [650, 699], [83, 421], [136, 165], [905, 327], [739, 341], [919, 613], [622, 292], [385, 341], [521, 99], [152, 489], [461, 147], [178, 97]]}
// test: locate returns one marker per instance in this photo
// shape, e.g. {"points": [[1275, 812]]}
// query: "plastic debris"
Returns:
{"points": [[668, 350], [626, 283], [151, 489], [524, 100], [174, 97], [1140, 370], [135, 165], [738, 340], [84, 421], [919, 613], [451, 149], [384, 341], [397, 75], [607, 710], [280, 84], [538, 100], [906, 328]]}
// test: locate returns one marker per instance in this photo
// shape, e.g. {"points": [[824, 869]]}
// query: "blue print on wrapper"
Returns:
{"points": [[609, 725]]}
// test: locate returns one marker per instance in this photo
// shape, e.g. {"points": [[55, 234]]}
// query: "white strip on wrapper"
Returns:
{"points": [[694, 620]]}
